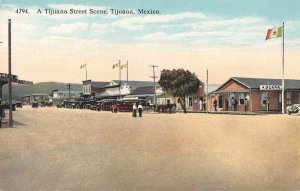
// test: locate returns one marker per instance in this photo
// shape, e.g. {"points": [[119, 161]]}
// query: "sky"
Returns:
{"points": [[225, 37]]}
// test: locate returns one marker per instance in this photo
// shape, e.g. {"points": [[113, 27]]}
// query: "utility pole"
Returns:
{"points": [[10, 122], [127, 71], [154, 77], [69, 87], [282, 83], [206, 103], [120, 79], [1, 86]]}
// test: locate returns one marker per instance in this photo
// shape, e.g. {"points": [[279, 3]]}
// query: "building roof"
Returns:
{"points": [[211, 87], [143, 90], [254, 83], [132, 84], [67, 92], [39, 94], [99, 84]]}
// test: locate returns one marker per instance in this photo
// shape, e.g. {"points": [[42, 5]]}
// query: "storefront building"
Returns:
{"points": [[254, 95]]}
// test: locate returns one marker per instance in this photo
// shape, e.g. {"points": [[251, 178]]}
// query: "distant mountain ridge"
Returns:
{"points": [[20, 90]]}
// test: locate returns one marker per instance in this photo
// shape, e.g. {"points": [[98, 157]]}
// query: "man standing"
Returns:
{"points": [[200, 105], [232, 103], [134, 110], [140, 108], [215, 104], [246, 104]]}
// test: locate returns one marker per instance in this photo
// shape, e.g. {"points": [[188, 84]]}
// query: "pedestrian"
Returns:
{"points": [[246, 104], [215, 104], [1, 113], [200, 105], [140, 108], [232, 103], [134, 108], [235, 104], [268, 103], [204, 105]]}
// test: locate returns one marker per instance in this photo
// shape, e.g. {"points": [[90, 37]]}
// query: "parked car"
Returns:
{"points": [[105, 104], [293, 109], [5, 105], [18, 104], [126, 105], [34, 104]]}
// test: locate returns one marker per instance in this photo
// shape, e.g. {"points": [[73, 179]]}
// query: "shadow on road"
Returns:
{"points": [[15, 124]]}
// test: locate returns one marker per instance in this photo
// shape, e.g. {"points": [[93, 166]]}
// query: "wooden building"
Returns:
{"points": [[254, 95]]}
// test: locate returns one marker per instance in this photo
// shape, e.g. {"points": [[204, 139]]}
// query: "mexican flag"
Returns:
{"points": [[82, 66], [115, 65], [274, 33], [124, 66]]}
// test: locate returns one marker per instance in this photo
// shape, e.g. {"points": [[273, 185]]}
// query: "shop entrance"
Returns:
{"points": [[279, 101], [220, 101]]}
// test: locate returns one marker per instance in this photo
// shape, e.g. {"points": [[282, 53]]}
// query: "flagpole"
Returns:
{"points": [[119, 79], [282, 100], [127, 72], [85, 71]]}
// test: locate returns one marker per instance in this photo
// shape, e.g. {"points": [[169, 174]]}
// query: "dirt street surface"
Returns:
{"points": [[65, 149]]}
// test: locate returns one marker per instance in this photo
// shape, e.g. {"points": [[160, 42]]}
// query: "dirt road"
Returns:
{"points": [[62, 149]]}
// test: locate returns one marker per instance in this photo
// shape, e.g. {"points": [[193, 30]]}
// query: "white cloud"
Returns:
{"points": [[98, 26], [155, 36], [24, 27], [69, 28], [236, 22], [135, 23], [216, 31]]}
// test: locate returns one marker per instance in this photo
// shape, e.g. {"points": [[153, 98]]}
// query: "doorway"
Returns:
{"points": [[220, 101], [279, 101]]}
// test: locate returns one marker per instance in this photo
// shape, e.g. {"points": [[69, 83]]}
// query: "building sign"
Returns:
{"points": [[270, 87]]}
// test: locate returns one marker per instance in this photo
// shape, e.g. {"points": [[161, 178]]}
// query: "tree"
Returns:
{"points": [[179, 83]]}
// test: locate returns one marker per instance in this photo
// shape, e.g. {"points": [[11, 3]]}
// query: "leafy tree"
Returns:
{"points": [[179, 83]]}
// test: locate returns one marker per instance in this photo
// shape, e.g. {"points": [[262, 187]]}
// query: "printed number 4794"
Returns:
{"points": [[22, 11]]}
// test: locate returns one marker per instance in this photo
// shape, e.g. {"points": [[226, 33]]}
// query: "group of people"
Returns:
{"points": [[233, 102], [202, 105], [136, 109]]}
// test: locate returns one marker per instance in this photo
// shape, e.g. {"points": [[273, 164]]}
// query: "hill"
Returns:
{"points": [[20, 90]]}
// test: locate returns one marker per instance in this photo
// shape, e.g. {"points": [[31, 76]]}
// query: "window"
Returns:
{"points": [[190, 101], [195, 99], [264, 96], [288, 98], [242, 99], [231, 95]]}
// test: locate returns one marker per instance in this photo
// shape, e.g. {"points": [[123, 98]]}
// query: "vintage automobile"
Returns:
{"points": [[5, 105], [64, 104], [293, 109], [90, 104], [105, 104], [43, 104], [34, 104], [125, 105], [18, 104]]}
